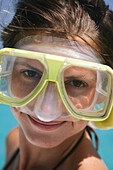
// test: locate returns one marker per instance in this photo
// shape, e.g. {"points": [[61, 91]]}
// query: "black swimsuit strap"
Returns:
{"points": [[17, 151], [11, 159], [71, 151], [88, 129]]}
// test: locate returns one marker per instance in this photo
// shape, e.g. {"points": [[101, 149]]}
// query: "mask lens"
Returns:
{"points": [[86, 90], [19, 76]]}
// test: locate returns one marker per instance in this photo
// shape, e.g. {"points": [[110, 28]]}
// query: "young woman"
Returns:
{"points": [[56, 79]]}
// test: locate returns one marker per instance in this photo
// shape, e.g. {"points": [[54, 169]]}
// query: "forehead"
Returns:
{"points": [[59, 46]]}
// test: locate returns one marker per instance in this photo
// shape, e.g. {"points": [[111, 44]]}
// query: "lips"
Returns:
{"points": [[45, 125]]}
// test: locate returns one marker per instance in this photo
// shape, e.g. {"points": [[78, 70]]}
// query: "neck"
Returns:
{"points": [[34, 157]]}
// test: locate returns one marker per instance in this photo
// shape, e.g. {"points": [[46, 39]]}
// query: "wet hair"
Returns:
{"points": [[88, 20]]}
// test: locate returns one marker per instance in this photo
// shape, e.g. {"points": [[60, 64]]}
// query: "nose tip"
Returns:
{"points": [[46, 108]]}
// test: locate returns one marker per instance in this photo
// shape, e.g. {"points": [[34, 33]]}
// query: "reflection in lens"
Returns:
{"points": [[26, 75]]}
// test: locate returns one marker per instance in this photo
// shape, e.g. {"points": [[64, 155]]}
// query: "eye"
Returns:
{"points": [[76, 83], [32, 74]]}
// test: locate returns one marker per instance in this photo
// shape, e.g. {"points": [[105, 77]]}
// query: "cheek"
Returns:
{"points": [[48, 139], [16, 113], [83, 101], [20, 88], [78, 125], [20, 117]]}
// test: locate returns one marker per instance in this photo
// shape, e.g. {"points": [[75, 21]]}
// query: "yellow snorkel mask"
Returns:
{"points": [[106, 124], [52, 71]]}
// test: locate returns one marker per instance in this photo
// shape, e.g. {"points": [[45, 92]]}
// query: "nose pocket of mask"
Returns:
{"points": [[48, 105]]}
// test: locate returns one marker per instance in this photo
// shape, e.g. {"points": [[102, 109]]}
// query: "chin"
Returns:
{"points": [[43, 141]]}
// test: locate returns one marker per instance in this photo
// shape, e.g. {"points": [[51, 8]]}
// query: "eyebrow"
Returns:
{"points": [[27, 65], [77, 77]]}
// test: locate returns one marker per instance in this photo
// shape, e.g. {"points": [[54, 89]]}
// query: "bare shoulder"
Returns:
{"points": [[12, 142], [90, 158], [93, 163]]}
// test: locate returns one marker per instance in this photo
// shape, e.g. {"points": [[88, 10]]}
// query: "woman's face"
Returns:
{"points": [[80, 85]]}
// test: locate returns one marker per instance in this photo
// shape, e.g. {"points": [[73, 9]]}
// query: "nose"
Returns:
{"points": [[48, 104]]}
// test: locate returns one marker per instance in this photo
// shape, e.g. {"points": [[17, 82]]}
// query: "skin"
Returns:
{"points": [[43, 144], [87, 159]]}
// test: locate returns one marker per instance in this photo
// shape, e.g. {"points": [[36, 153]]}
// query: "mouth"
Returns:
{"points": [[47, 126]]}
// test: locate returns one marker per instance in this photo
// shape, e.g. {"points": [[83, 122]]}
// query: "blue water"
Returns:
{"points": [[7, 122]]}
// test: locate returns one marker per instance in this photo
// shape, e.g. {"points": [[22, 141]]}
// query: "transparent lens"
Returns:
{"points": [[86, 90], [19, 76]]}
